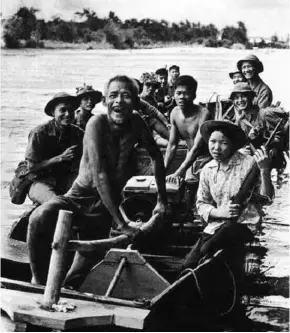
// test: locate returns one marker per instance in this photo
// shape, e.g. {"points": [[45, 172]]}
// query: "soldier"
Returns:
{"points": [[87, 98], [251, 67], [54, 150]]}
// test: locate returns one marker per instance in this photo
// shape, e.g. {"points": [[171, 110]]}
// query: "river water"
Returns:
{"points": [[29, 78]]}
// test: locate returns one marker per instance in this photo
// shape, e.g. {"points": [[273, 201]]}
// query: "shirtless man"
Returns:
{"points": [[186, 119], [104, 170]]}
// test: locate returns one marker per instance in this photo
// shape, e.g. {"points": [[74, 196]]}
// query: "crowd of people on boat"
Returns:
{"points": [[81, 158]]}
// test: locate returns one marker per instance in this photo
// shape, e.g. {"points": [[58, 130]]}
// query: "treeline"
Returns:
{"points": [[24, 29]]}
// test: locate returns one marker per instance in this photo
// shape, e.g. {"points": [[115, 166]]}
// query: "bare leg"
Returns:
{"points": [[96, 227], [40, 232], [82, 264]]}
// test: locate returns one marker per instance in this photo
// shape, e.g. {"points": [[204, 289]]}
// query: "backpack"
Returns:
{"points": [[20, 184]]}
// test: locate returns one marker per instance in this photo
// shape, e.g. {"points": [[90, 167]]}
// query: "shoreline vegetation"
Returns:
{"points": [[88, 31]]}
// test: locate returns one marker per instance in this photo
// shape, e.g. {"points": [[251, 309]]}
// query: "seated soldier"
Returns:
{"points": [[229, 114], [186, 119], [161, 93], [251, 66], [54, 150], [87, 99], [155, 120], [254, 121], [174, 73], [149, 86], [237, 77], [105, 167]]}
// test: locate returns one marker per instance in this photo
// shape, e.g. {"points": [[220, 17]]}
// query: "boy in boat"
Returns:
{"points": [[95, 195], [251, 67], [161, 91], [174, 73], [257, 123], [87, 99], [220, 180], [165, 102], [54, 150], [186, 119]]}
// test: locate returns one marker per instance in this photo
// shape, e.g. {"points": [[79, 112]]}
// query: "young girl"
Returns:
{"points": [[220, 180]]}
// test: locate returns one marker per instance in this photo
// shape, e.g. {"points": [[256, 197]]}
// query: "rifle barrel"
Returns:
{"points": [[273, 133]]}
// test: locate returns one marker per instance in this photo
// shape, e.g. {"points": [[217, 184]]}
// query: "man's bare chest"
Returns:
{"points": [[119, 149], [187, 127]]}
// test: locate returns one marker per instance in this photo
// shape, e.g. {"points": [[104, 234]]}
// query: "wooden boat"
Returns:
{"points": [[142, 283], [133, 288]]}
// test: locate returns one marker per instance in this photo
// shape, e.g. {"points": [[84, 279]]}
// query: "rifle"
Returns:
{"points": [[253, 175]]}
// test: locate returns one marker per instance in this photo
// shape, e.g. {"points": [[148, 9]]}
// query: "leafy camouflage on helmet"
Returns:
{"points": [[86, 90], [149, 77]]}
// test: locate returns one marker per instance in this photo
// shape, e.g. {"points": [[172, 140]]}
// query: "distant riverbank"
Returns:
{"points": [[103, 45]]}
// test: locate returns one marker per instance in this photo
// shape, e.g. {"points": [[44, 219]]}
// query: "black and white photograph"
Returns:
{"points": [[145, 165]]}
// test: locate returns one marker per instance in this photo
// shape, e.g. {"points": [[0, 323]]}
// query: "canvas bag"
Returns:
{"points": [[20, 184]]}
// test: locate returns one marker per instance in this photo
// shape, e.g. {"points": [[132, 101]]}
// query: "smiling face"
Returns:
{"points": [[242, 101], [183, 97], [238, 77], [64, 113], [220, 147], [87, 103], [248, 70], [120, 102]]}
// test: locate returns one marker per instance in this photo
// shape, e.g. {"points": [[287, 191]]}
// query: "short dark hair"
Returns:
{"points": [[187, 81], [174, 67], [133, 86], [162, 71]]}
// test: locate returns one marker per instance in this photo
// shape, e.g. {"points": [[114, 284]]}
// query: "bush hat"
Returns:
{"points": [[252, 58], [232, 131], [60, 98], [86, 90], [231, 74], [242, 87]]}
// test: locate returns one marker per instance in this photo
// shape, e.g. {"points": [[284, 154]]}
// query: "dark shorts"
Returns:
{"points": [[91, 217]]}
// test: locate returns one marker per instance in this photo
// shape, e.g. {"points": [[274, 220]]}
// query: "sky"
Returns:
{"points": [[263, 18]]}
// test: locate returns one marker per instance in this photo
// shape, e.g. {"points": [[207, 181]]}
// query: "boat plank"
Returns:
{"points": [[14, 250], [25, 307]]}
